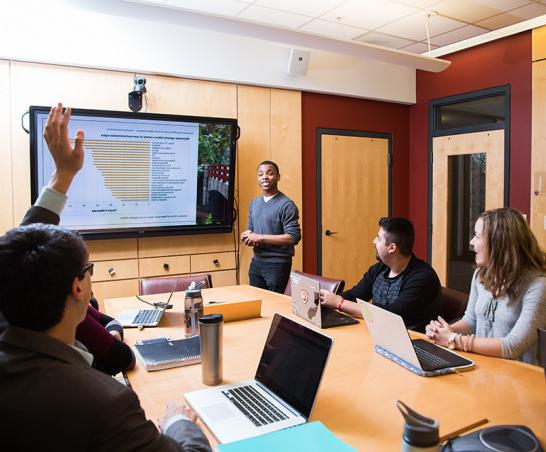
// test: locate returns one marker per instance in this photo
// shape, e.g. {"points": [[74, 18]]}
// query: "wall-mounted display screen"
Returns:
{"points": [[143, 173]]}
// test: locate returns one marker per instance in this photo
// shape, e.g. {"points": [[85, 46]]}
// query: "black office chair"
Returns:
{"points": [[453, 304], [542, 348], [164, 284]]}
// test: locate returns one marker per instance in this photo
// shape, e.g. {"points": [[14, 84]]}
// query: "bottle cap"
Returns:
{"points": [[419, 430], [420, 436], [211, 318]]}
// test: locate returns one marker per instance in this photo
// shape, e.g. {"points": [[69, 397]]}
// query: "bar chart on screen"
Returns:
{"points": [[133, 173]]}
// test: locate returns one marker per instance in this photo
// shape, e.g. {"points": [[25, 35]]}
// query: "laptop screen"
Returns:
{"points": [[293, 362]]}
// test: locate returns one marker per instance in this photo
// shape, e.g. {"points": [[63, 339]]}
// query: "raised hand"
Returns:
{"points": [[68, 160]]}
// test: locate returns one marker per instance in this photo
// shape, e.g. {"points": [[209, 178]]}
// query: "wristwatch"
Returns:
{"points": [[451, 341]]}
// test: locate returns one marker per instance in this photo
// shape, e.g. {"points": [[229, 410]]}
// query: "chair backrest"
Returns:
{"points": [[165, 284], [542, 348], [332, 285], [453, 304]]}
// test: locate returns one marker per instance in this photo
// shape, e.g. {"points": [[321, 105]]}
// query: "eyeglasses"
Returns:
{"points": [[88, 268]]}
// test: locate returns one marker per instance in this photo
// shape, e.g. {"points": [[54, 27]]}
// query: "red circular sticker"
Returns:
{"points": [[304, 296]]}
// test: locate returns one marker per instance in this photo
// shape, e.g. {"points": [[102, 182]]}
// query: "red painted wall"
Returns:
{"points": [[336, 112], [506, 61]]}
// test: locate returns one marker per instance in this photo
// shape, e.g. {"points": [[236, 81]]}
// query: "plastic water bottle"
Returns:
{"points": [[193, 311], [421, 433]]}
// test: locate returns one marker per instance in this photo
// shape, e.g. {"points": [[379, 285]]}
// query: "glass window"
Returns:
{"points": [[480, 111], [466, 201]]}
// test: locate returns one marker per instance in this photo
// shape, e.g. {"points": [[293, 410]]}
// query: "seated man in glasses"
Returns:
{"points": [[52, 398], [100, 334]]}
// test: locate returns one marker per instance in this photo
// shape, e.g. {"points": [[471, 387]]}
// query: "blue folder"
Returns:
{"points": [[311, 436]]}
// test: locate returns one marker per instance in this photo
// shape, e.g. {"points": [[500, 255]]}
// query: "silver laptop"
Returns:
{"points": [[391, 336], [133, 318], [306, 304], [281, 395]]}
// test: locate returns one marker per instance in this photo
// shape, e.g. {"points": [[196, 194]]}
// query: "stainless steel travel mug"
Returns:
{"points": [[210, 332]]}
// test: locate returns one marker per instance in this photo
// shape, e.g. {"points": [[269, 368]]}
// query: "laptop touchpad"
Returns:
{"points": [[219, 412]]}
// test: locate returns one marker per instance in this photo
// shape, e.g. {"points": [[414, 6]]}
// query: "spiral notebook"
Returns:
{"points": [[164, 353]]}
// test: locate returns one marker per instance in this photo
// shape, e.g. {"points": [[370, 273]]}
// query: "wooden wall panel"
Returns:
{"points": [[286, 150], [538, 156], [254, 113], [187, 244], [539, 44], [268, 119], [191, 97], [6, 194], [103, 250]]}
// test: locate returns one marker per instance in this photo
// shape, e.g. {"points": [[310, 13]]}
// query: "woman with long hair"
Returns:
{"points": [[507, 300]]}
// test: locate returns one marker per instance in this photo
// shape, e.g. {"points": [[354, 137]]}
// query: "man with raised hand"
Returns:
{"points": [[52, 399]]}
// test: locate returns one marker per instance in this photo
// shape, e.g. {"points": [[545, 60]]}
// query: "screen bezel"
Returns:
{"points": [[322, 342], [104, 233]]}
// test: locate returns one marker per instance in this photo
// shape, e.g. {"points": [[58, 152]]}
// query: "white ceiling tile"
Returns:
{"points": [[460, 34], [529, 12], [500, 21], [332, 29], [414, 27], [380, 39], [368, 13], [503, 5], [465, 10], [418, 48], [273, 17], [418, 3], [217, 7], [313, 8]]}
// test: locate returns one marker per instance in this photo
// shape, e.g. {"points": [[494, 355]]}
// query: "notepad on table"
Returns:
{"points": [[313, 436], [164, 353]]}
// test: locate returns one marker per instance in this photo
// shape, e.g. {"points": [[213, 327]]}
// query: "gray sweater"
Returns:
{"points": [[277, 216], [515, 320]]}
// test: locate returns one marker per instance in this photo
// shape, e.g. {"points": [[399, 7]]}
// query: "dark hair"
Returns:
{"points": [[269, 162], [512, 251], [400, 231], [38, 264]]}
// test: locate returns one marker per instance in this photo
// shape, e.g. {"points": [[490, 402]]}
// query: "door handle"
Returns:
{"points": [[329, 233]]}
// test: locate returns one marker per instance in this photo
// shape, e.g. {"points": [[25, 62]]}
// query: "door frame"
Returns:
{"points": [[349, 133], [432, 133]]}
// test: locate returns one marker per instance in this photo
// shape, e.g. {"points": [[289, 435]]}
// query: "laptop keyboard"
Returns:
{"points": [[254, 406], [147, 316], [430, 360]]}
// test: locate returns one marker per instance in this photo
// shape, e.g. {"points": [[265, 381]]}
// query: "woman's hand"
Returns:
{"points": [[439, 331]]}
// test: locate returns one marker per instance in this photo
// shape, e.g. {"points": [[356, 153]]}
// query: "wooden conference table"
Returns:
{"points": [[356, 400]]}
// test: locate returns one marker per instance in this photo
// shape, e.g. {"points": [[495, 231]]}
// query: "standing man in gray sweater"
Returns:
{"points": [[273, 230]]}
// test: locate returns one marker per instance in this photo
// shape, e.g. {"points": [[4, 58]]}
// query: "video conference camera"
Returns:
{"points": [[135, 96]]}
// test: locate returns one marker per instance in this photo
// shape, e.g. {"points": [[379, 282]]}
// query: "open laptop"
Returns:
{"points": [[282, 393], [133, 318], [392, 340], [306, 304]]}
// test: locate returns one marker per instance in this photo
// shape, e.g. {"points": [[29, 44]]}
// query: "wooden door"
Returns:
{"points": [[490, 143], [354, 196]]}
